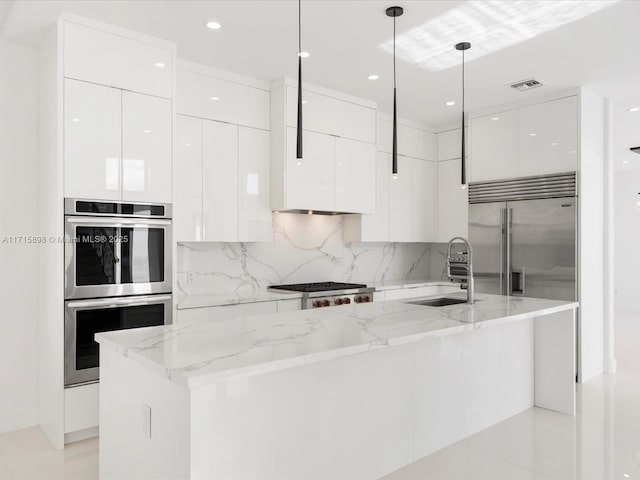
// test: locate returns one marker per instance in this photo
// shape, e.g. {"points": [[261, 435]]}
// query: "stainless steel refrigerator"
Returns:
{"points": [[523, 235]]}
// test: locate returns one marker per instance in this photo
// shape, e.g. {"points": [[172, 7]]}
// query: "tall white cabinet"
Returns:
{"points": [[105, 133], [222, 167]]}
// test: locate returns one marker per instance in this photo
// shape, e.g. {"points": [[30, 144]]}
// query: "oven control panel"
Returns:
{"points": [[333, 301]]}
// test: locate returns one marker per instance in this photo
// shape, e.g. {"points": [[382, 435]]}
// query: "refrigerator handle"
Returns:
{"points": [[506, 272], [503, 232]]}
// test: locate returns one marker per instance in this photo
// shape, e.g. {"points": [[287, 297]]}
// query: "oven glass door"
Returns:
{"points": [[114, 257], [85, 318]]}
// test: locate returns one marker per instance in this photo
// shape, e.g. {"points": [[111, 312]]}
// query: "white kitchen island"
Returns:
{"points": [[355, 391]]}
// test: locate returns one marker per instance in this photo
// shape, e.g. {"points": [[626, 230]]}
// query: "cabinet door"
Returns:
{"points": [[220, 181], [254, 210], [412, 142], [375, 228], [449, 144], [92, 141], [401, 203], [423, 192], [494, 146], [187, 186], [549, 137], [355, 176], [310, 185], [453, 202], [146, 148], [111, 59]]}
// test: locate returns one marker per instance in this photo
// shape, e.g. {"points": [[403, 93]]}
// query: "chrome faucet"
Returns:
{"points": [[460, 267]]}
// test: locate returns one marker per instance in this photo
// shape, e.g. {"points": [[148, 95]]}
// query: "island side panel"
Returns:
{"points": [[144, 422], [347, 418], [470, 381], [555, 362]]}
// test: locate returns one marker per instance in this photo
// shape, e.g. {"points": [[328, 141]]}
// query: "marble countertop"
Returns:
{"points": [[205, 352], [233, 298]]}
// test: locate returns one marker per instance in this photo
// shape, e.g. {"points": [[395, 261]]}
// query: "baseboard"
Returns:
{"points": [[80, 435]]}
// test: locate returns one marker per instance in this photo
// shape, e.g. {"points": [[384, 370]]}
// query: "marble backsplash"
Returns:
{"points": [[305, 248]]}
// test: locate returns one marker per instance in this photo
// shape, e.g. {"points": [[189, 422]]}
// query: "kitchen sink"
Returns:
{"points": [[440, 302]]}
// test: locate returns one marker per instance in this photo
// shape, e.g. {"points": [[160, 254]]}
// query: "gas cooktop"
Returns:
{"points": [[318, 287]]}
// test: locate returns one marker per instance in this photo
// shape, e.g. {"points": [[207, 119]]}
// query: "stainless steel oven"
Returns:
{"points": [[84, 318], [116, 248]]}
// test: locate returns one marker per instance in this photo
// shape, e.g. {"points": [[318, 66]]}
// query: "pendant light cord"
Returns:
{"points": [[394, 52], [299, 27], [463, 85]]}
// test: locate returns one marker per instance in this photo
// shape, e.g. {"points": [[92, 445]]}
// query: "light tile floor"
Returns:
{"points": [[601, 442]]}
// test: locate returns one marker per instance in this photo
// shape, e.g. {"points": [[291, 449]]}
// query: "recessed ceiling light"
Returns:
{"points": [[214, 98], [146, 131], [634, 109], [213, 25], [450, 103], [75, 119], [373, 77], [554, 143], [495, 118], [533, 134], [159, 65], [304, 54]]}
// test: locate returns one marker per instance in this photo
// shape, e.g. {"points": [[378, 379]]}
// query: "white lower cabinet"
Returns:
{"points": [[81, 407], [221, 182]]}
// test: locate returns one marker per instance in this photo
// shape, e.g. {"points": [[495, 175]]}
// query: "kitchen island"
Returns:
{"points": [[355, 391]]}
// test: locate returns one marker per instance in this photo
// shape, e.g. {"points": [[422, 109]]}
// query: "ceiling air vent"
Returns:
{"points": [[523, 85]]}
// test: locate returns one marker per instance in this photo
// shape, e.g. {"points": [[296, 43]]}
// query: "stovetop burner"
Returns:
{"points": [[318, 287]]}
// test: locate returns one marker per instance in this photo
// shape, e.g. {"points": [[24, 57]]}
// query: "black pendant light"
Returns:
{"points": [[394, 12], [299, 124], [462, 46]]}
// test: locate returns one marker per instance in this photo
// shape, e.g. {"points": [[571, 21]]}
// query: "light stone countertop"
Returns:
{"points": [[199, 353]]}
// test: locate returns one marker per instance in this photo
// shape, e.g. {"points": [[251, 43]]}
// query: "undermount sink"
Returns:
{"points": [[440, 302]]}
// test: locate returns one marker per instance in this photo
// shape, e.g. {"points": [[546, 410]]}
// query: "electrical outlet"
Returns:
{"points": [[146, 421]]}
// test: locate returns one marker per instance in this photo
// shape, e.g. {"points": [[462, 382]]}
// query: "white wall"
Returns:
{"points": [[18, 266]]}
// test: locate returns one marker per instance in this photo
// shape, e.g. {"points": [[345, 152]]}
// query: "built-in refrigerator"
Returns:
{"points": [[523, 235]]}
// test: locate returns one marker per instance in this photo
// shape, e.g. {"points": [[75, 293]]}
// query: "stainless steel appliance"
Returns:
{"points": [[84, 318], [523, 233], [117, 276], [329, 294], [116, 248]]}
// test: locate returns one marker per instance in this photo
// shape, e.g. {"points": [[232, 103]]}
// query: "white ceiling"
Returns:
{"points": [[259, 39]]}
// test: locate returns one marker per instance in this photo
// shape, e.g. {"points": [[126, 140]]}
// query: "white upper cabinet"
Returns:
{"points": [[355, 172], [254, 209], [337, 173], [92, 141], [401, 203], [146, 148], [452, 203], [423, 198], [450, 144], [187, 197], [549, 137], [494, 146], [117, 59], [333, 116], [220, 181], [213, 98], [310, 184], [412, 141]]}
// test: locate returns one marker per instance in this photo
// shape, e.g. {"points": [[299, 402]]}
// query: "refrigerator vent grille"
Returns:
{"points": [[524, 188]]}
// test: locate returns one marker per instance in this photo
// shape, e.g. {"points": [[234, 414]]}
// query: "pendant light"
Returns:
{"points": [[394, 12], [299, 124], [462, 46]]}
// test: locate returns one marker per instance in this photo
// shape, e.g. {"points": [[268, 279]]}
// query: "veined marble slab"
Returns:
{"points": [[232, 298], [408, 283], [206, 352]]}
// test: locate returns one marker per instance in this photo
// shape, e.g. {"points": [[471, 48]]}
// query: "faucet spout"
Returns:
{"points": [[460, 267]]}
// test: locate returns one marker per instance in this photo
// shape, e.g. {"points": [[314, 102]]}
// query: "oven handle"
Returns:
{"points": [[108, 302], [116, 223]]}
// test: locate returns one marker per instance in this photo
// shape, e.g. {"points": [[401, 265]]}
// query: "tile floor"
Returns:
{"points": [[601, 442]]}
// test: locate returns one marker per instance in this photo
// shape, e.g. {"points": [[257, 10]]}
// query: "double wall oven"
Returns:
{"points": [[117, 275]]}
